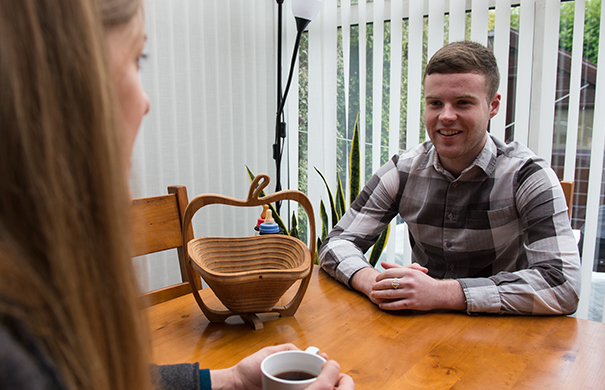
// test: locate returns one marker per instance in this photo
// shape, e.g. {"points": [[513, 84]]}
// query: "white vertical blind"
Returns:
{"points": [[479, 21], [414, 96], [395, 103], [574, 91], [395, 69], [594, 182], [457, 16], [316, 107], [210, 77], [501, 51], [361, 9], [415, 31], [328, 81], [377, 55], [524, 67], [291, 109], [544, 78], [436, 26], [346, 49]]}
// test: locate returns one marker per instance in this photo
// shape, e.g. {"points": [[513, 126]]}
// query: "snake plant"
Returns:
{"points": [[337, 204]]}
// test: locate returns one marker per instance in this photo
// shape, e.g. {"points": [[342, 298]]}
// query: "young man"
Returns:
{"points": [[488, 223]]}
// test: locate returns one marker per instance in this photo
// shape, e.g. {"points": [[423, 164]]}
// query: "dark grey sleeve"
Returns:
{"points": [[21, 369], [176, 377]]}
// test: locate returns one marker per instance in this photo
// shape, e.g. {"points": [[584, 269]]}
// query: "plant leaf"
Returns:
{"points": [[332, 203], [379, 246], [354, 164], [319, 242], [324, 220], [294, 229], [251, 175], [278, 219], [340, 199]]}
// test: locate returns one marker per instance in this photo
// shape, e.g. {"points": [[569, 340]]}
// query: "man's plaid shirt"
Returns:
{"points": [[501, 228]]}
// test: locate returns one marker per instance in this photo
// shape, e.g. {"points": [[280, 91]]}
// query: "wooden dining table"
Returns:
{"points": [[394, 350]]}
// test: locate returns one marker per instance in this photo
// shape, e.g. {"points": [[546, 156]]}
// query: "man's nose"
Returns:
{"points": [[447, 114]]}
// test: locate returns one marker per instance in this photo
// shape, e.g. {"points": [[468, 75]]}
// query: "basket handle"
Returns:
{"points": [[256, 187]]}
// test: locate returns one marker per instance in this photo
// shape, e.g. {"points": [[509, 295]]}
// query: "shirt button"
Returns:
{"points": [[448, 244], [454, 185], [452, 266], [450, 216]]}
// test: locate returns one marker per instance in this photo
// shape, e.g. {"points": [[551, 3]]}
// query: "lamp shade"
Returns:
{"points": [[306, 9]]}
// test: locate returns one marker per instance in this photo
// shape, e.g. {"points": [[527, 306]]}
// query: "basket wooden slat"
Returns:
{"points": [[250, 274]]}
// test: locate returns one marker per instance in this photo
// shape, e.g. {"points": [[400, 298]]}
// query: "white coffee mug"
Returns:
{"points": [[291, 370]]}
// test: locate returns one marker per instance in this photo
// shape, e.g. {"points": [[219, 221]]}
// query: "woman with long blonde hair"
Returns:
{"points": [[66, 287], [70, 108]]}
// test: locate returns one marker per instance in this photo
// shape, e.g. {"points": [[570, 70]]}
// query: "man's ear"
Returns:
{"points": [[494, 105]]}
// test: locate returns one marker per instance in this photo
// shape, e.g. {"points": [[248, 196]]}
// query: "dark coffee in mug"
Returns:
{"points": [[295, 375]]}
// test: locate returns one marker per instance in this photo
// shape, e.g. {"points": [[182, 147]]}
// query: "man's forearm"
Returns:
{"points": [[364, 279], [453, 296]]}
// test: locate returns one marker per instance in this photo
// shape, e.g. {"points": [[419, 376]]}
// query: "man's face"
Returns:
{"points": [[457, 114]]}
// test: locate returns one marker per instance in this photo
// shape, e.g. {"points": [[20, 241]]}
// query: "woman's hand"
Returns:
{"points": [[331, 378], [246, 374]]}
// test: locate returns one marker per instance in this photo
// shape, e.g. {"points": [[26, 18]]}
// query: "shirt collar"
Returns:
{"points": [[486, 160]]}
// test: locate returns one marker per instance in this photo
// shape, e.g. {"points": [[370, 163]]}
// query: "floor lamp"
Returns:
{"points": [[304, 12]]}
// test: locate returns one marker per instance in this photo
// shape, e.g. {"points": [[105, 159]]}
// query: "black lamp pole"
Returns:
{"points": [[280, 124], [280, 127]]}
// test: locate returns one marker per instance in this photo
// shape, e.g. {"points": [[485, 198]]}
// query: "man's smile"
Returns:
{"points": [[449, 132]]}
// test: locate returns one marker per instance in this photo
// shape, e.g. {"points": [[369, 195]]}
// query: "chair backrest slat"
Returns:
{"points": [[568, 191], [158, 222]]}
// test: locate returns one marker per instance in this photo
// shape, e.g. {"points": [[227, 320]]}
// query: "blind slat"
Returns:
{"points": [[290, 161], [574, 92], [479, 20], [377, 70], [414, 72], [346, 52], [361, 7], [395, 103], [544, 78], [501, 50], [457, 19], [524, 68], [436, 26], [594, 183]]}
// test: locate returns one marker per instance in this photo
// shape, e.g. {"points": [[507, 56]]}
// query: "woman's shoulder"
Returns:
{"points": [[21, 367]]}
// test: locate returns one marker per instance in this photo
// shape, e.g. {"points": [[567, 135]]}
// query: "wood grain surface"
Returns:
{"points": [[402, 350]]}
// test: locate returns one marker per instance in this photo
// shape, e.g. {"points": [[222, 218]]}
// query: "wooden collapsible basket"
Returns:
{"points": [[249, 275]]}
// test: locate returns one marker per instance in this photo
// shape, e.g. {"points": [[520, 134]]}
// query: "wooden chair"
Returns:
{"points": [[157, 227], [568, 191]]}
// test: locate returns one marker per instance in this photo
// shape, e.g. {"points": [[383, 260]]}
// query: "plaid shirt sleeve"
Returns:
{"points": [[342, 252]]}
